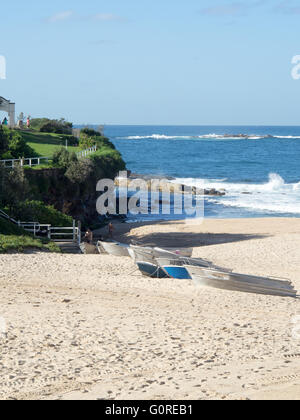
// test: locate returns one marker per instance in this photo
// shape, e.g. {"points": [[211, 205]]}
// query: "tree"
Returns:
{"points": [[63, 158], [4, 140], [14, 186], [57, 126]]}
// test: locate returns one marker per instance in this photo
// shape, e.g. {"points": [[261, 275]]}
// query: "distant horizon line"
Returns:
{"points": [[186, 125]]}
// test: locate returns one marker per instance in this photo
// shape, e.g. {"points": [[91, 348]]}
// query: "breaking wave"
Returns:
{"points": [[208, 137], [275, 196]]}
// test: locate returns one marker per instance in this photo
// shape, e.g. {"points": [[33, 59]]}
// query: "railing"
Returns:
{"points": [[7, 217], [87, 152], [36, 161], [55, 234], [11, 163], [35, 228], [65, 234]]}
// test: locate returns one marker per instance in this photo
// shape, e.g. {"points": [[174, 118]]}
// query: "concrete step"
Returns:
{"points": [[69, 248]]}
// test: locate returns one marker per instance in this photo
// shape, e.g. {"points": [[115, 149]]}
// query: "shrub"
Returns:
{"points": [[63, 158], [8, 228], [37, 123], [57, 126], [72, 141], [81, 172], [39, 212], [14, 186], [86, 142], [13, 145], [89, 132], [89, 138], [4, 140], [108, 162]]}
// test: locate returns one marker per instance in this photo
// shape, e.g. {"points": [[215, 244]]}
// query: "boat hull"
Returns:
{"points": [[151, 270], [240, 282], [182, 252], [88, 249], [177, 272], [139, 254], [115, 248], [183, 261]]}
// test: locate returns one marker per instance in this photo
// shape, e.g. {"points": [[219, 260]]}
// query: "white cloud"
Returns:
{"points": [[58, 17], [237, 8], [69, 14], [228, 10], [106, 17], [288, 7]]}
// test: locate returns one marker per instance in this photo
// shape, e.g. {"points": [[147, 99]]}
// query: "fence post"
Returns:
{"points": [[74, 231], [79, 232]]}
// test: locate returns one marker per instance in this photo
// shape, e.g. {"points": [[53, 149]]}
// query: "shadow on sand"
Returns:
{"points": [[125, 233], [183, 239]]}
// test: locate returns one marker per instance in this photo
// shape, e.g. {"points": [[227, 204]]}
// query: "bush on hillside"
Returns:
{"points": [[72, 141], [4, 140], [108, 163], [13, 145], [89, 132], [8, 228], [14, 186], [89, 138], [63, 158], [57, 126], [37, 123], [40, 212]]}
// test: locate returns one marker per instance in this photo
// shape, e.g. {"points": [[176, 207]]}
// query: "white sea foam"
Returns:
{"points": [[287, 137], [207, 137], [155, 137], [273, 196]]}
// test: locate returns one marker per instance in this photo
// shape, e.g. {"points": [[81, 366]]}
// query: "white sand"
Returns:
{"points": [[90, 327]]}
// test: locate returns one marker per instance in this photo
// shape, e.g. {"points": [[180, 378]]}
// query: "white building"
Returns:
{"points": [[10, 108]]}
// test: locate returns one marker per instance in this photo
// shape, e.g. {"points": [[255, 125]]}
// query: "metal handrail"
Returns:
{"points": [[35, 227]]}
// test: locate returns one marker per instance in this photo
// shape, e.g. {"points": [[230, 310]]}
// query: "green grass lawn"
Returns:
{"points": [[45, 144]]}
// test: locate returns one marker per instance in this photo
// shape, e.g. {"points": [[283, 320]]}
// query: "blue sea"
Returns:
{"points": [[260, 170]]}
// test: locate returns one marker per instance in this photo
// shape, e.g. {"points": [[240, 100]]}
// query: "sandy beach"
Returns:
{"points": [[92, 327]]}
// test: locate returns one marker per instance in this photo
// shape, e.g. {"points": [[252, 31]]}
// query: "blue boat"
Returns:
{"points": [[151, 270], [177, 272]]}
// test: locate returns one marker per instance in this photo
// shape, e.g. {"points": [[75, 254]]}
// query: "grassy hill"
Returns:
{"points": [[12, 238], [45, 144]]}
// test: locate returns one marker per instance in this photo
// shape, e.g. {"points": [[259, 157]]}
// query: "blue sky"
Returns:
{"points": [[153, 61]]}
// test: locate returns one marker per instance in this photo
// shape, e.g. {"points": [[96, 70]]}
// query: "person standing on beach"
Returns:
{"points": [[89, 236], [111, 230]]}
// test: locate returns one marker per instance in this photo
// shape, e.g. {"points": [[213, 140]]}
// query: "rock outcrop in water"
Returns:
{"points": [[166, 185]]}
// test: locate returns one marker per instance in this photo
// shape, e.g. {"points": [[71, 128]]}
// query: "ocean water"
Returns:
{"points": [[260, 170]]}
